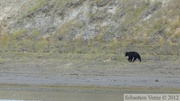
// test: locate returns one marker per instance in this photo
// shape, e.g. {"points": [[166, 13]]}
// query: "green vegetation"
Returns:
{"points": [[137, 32], [62, 3], [37, 5], [28, 11]]}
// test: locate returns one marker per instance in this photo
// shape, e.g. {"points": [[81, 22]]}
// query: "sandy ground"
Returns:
{"points": [[54, 72]]}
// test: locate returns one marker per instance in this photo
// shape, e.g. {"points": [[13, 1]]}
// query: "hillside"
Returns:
{"points": [[90, 26]]}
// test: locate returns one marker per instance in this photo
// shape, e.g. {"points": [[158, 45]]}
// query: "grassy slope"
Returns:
{"points": [[158, 35]]}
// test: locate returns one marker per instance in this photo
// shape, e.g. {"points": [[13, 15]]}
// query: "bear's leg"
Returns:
{"points": [[134, 59], [130, 59], [139, 58]]}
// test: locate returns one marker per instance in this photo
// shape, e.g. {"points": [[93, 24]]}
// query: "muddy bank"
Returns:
{"points": [[58, 72], [97, 81], [44, 78]]}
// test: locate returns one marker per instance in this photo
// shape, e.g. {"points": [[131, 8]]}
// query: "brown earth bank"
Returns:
{"points": [[54, 69]]}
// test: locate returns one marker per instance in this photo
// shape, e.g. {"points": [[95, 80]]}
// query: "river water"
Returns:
{"points": [[59, 94], [47, 93]]}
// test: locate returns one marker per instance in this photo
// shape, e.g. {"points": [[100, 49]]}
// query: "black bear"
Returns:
{"points": [[132, 56]]}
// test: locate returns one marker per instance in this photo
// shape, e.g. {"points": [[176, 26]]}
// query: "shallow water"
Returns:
{"points": [[43, 93], [58, 94]]}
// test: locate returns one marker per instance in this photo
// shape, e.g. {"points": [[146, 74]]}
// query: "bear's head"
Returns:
{"points": [[126, 54]]}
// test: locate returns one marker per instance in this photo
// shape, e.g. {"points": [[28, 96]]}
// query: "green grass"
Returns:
{"points": [[34, 43], [135, 32], [2, 60], [30, 7], [37, 5]]}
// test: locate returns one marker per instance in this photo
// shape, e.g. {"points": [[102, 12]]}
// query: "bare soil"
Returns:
{"points": [[54, 70]]}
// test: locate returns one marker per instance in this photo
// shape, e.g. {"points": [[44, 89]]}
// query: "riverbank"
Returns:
{"points": [[84, 77], [60, 70]]}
